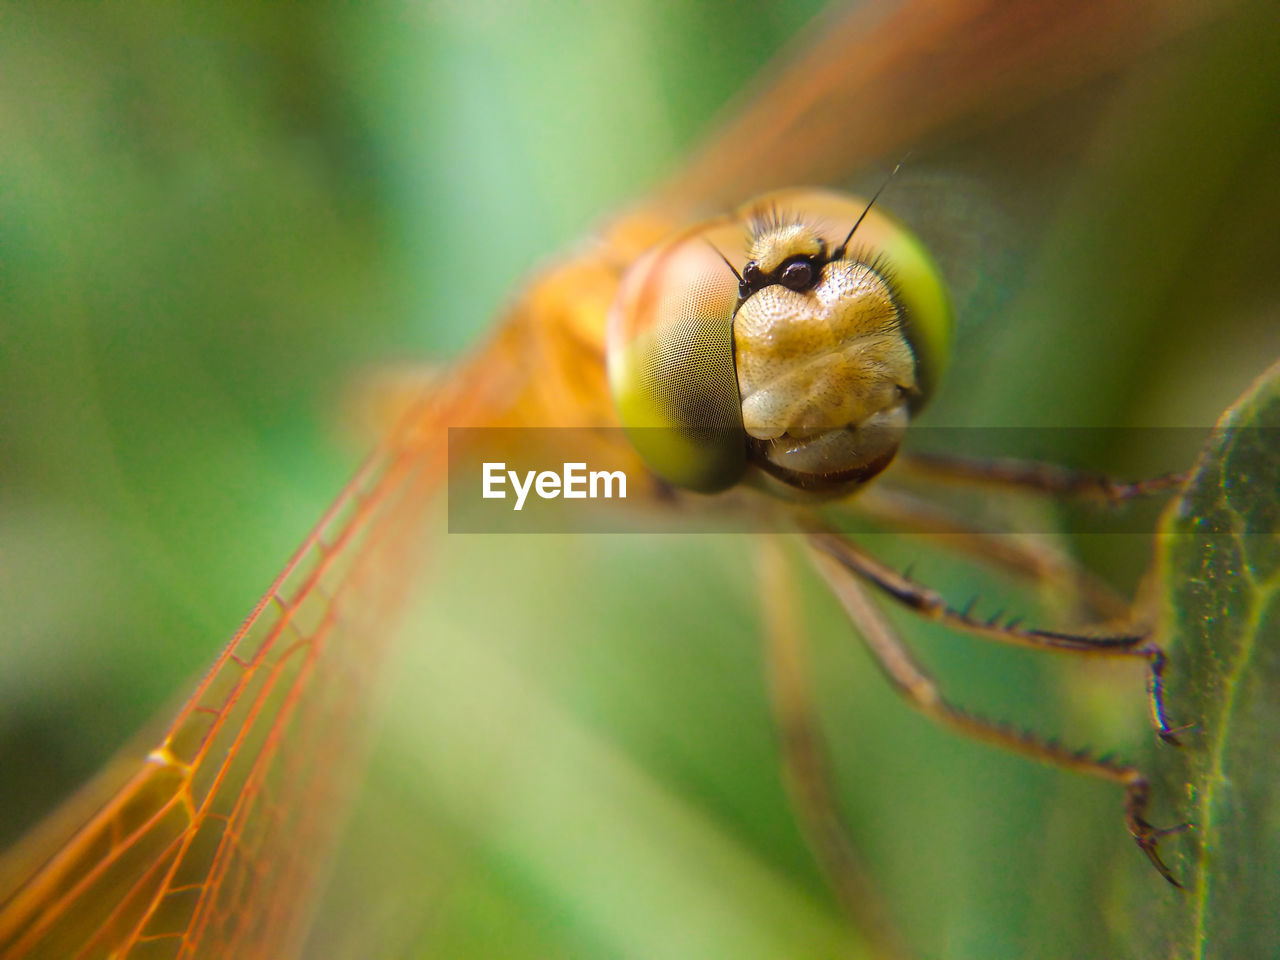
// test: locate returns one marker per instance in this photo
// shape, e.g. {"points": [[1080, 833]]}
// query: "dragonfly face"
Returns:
{"points": [[804, 366]]}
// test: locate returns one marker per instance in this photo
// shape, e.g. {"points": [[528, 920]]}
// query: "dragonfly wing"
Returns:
{"points": [[879, 80], [213, 845]]}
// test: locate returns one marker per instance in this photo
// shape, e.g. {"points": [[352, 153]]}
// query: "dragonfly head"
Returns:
{"points": [[802, 369]]}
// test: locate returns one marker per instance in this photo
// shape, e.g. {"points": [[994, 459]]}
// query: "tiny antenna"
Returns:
{"points": [[731, 267], [839, 252]]}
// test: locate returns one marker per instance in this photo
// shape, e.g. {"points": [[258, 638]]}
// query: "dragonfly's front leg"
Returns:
{"points": [[932, 605], [915, 685], [1029, 559], [1034, 476]]}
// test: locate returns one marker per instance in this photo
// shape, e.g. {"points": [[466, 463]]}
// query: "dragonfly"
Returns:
{"points": [[307, 602]]}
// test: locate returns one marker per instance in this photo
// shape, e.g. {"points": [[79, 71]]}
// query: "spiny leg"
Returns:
{"points": [[1015, 555], [933, 606], [911, 681], [1034, 477], [806, 765]]}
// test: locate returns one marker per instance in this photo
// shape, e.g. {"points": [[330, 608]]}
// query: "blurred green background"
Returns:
{"points": [[215, 222]]}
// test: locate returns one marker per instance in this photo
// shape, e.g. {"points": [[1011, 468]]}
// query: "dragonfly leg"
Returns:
{"points": [[932, 605], [1020, 556], [805, 762], [918, 688], [1034, 476]]}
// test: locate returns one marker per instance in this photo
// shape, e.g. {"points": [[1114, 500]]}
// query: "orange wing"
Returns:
{"points": [[218, 816], [217, 842]]}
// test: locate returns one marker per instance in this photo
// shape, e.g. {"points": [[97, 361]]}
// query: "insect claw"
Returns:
{"points": [[1154, 856], [1149, 844], [968, 607], [1171, 735], [1148, 840], [995, 619], [1013, 624]]}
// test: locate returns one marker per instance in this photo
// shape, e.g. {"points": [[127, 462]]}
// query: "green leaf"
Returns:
{"points": [[1218, 560]]}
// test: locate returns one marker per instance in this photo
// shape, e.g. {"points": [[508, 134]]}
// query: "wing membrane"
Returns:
{"points": [[210, 849], [879, 80]]}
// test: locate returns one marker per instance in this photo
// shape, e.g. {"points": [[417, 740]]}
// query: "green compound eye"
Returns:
{"points": [[671, 366], [811, 384]]}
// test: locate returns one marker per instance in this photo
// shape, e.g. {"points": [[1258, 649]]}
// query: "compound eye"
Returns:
{"points": [[669, 345], [798, 274]]}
